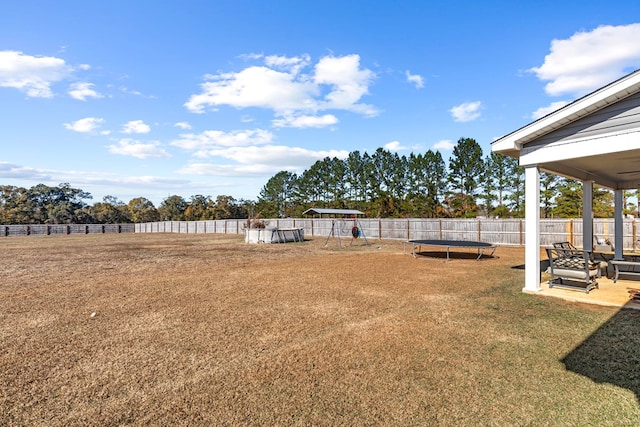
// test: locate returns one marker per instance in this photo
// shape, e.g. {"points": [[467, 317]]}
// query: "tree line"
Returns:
{"points": [[385, 184], [382, 184], [63, 204]]}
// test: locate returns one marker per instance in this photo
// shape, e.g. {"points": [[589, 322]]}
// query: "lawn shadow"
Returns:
{"points": [[544, 264], [612, 353], [453, 255]]}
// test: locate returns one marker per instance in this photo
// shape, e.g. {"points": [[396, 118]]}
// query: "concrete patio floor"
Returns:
{"points": [[608, 293]]}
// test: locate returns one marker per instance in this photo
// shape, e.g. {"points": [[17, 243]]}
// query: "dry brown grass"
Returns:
{"points": [[206, 330]]}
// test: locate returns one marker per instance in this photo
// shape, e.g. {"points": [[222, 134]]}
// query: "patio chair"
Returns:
{"points": [[572, 269], [567, 247]]}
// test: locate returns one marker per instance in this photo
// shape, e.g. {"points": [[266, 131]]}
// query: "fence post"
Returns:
{"points": [[571, 232], [634, 232], [408, 230], [521, 233], [479, 233]]}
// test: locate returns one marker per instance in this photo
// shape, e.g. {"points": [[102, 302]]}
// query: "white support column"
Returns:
{"points": [[532, 229], [587, 215], [618, 242]]}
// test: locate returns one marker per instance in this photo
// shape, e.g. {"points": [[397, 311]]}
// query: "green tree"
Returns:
{"points": [[548, 189], [515, 197], [199, 208], [172, 208], [602, 204], [498, 183], [426, 178], [57, 205], [466, 169], [629, 208], [355, 178], [142, 210], [226, 207], [110, 211], [15, 205], [568, 200], [276, 196]]}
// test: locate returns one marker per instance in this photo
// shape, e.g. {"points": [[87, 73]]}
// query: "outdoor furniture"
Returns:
{"points": [[572, 269], [625, 267], [567, 246], [602, 264]]}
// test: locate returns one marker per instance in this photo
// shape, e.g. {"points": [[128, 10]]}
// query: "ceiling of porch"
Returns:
{"points": [[617, 171]]}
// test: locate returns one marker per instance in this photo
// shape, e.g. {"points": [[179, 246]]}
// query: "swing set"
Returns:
{"points": [[347, 226]]}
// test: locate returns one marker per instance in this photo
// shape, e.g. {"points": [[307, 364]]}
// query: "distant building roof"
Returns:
{"points": [[322, 211]]}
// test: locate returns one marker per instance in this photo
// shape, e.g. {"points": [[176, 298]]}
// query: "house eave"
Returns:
{"points": [[512, 143]]}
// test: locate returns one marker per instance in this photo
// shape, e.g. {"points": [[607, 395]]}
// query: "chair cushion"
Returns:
{"points": [[574, 274]]}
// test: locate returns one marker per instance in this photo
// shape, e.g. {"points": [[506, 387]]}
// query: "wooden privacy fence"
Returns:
{"points": [[62, 229], [496, 231]]}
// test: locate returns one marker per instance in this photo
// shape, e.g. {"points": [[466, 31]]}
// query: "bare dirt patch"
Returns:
{"points": [[207, 330]]}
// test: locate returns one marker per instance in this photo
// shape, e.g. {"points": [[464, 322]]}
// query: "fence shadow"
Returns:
{"points": [[612, 353]]}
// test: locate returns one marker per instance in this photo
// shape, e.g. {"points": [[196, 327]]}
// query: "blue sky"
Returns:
{"points": [[150, 99]]}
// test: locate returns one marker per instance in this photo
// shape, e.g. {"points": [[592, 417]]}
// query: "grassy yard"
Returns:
{"points": [[206, 330]]}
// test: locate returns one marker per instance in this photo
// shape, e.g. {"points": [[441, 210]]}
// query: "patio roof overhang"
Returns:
{"points": [[574, 141]]}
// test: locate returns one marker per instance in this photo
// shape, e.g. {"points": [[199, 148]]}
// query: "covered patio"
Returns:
{"points": [[595, 140], [609, 294]]}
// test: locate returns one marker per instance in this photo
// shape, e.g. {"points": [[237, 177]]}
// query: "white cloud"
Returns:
{"points": [[130, 147], [212, 139], [282, 87], [260, 160], [590, 59], [253, 87], [444, 144], [415, 79], [466, 112], [543, 111], [183, 125], [135, 126], [82, 91], [395, 146], [33, 75], [349, 83], [306, 121], [86, 125], [13, 171], [212, 169], [80, 177], [293, 64]]}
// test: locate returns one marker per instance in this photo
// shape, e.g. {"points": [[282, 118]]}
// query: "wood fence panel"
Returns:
{"points": [[424, 229]]}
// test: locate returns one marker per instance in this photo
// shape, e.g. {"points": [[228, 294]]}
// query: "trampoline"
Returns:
{"points": [[482, 247]]}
